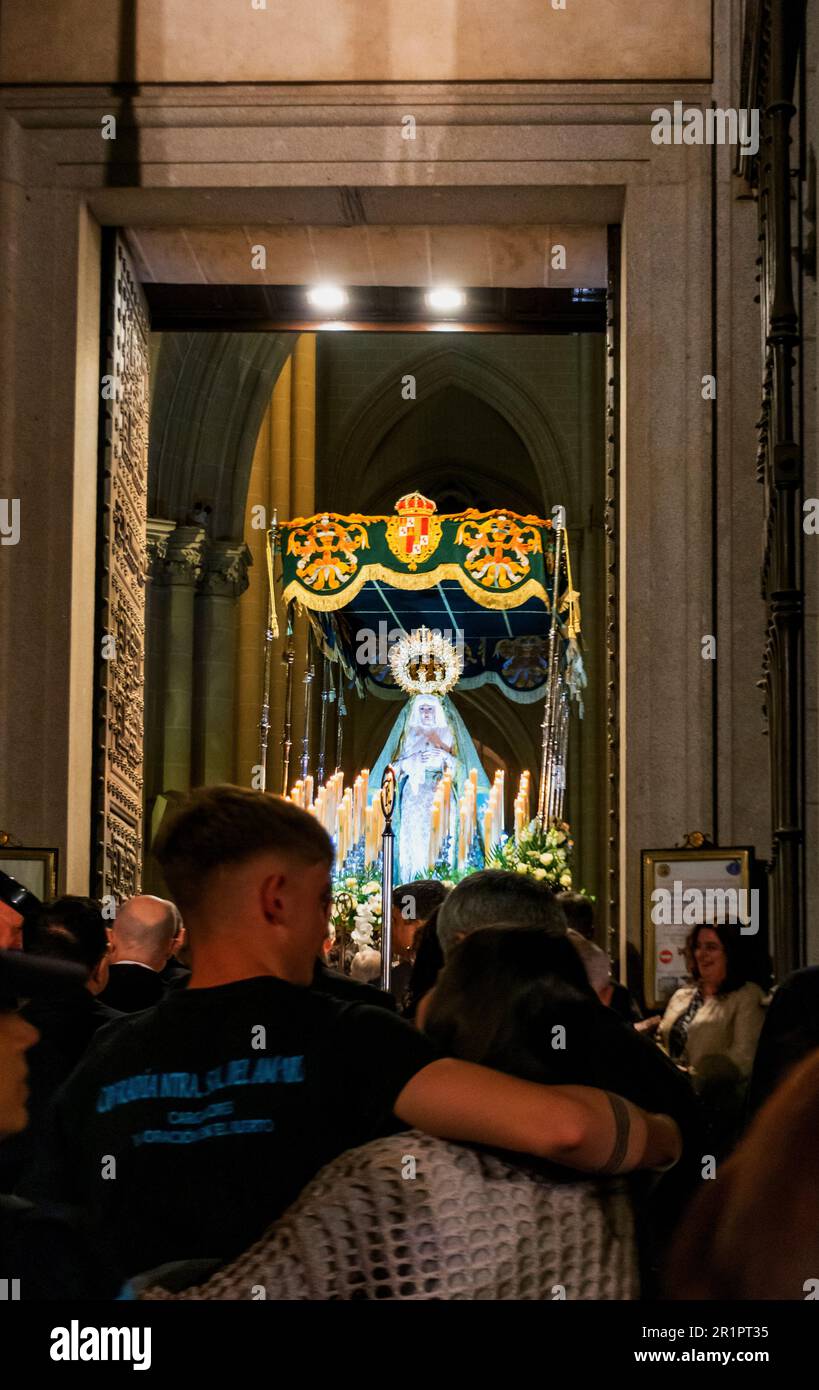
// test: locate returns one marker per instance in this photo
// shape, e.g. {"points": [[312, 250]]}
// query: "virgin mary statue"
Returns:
{"points": [[428, 739]]}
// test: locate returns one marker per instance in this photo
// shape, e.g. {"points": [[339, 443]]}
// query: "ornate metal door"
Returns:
{"points": [[121, 574], [612, 437], [773, 39]]}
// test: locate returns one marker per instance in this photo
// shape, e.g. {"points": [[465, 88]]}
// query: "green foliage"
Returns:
{"points": [[542, 854]]}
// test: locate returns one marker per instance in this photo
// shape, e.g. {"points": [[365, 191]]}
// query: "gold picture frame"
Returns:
{"points": [[676, 871], [36, 869]]}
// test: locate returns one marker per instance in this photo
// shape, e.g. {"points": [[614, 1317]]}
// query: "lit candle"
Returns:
{"points": [[432, 852], [356, 807]]}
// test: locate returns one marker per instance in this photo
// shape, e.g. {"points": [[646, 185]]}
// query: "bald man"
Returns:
{"points": [[144, 936]]}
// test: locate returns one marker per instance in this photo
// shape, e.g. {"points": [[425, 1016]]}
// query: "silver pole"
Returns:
{"points": [[309, 677], [325, 699], [387, 847], [550, 703], [559, 789], [340, 713], [269, 635]]}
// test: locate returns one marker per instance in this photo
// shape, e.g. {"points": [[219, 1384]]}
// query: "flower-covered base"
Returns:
{"points": [[355, 921], [543, 854]]}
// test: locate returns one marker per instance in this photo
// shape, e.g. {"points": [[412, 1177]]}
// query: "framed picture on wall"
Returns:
{"points": [[680, 888], [36, 869]]}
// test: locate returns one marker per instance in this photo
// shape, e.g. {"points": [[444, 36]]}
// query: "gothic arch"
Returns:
{"points": [[209, 398], [457, 367]]}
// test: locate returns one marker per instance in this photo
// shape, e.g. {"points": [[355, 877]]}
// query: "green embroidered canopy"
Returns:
{"points": [[489, 575]]}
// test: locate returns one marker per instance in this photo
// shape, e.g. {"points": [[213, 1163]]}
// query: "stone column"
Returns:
{"points": [[183, 568], [159, 532], [224, 579], [252, 614], [269, 487]]}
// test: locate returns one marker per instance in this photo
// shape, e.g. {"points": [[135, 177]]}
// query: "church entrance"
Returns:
{"points": [[263, 410]]}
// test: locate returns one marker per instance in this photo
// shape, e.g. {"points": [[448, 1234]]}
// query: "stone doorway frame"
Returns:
{"points": [[509, 153]]}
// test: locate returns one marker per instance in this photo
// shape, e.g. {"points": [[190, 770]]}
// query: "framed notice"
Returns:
{"points": [[680, 888], [36, 869]]}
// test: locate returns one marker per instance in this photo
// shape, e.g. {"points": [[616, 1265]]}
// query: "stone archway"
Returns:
{"points": [[211, 392], [457, 367]]}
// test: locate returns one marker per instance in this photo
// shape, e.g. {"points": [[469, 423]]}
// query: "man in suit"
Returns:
{"points": [[144, 936]]}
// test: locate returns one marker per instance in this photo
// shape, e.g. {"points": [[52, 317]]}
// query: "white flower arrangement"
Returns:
{"points": [[357, 907], [543, 855]]}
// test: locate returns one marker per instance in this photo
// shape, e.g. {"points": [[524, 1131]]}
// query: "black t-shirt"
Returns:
{"points": [[352, 991], [218, 1106]]}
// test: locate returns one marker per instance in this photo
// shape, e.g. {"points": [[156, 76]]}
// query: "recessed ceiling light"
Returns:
{"points": [[445, 298], [327, 297]]}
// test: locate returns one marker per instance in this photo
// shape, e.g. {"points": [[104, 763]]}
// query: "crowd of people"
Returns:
{"points": [[195, 1105]]}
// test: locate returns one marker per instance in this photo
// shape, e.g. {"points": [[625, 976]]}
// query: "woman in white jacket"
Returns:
{"points": [[711, 1028]]}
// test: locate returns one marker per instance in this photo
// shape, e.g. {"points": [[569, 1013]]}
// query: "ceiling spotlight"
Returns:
{"points": [[445, 298], [327, 297]]}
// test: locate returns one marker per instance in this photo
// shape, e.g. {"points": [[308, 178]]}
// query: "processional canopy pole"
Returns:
{"points": [[387, 849], [288, 658], [341, 712], [270, 634], [309, 677], [551, 704], [327, 695]]}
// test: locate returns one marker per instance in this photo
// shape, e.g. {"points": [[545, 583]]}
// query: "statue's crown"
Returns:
{"points": [[414, 504]]}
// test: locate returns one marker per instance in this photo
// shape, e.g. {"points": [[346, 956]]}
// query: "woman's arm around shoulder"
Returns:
{"points": [[579, 1126]]}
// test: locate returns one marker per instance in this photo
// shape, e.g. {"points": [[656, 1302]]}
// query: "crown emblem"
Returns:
{"points": [[414, 533], [425, 663], [415, 504]]}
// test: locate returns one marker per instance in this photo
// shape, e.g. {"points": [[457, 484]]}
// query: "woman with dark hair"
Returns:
{"points": [[503, 993], [520, 1001], [426, 967], [711, 1028]]}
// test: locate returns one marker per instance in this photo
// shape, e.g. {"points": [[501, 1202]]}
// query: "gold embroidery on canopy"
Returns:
{"points": [[500, 599]]}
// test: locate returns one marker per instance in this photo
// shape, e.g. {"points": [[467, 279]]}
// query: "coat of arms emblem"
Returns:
{"points": [[414, 533], [326, 548], [499, 549]]}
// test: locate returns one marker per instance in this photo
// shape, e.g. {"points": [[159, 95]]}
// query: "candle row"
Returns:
{"points": [[440, 822], [344, 813], [493, 816], [522, 814], [360, 792], [467, 816], [373, 830]]}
